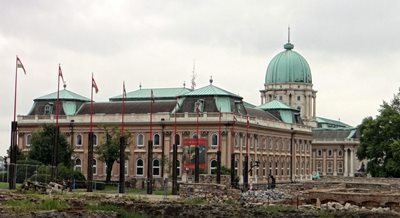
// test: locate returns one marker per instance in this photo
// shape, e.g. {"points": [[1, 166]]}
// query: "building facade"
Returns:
{"points": [[283, 136]]}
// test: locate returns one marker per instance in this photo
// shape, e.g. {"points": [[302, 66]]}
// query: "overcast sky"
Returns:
{"points": [[352, 48]]}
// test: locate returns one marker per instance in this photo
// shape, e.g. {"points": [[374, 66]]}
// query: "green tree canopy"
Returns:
{"points": [[108, 152], [380, 140], [42, 146]]}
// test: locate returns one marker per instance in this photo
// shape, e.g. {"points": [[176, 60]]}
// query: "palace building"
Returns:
{"points": [[283, 134]]}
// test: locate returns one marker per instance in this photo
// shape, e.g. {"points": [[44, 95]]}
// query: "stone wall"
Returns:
{"points": [[210, 192]]}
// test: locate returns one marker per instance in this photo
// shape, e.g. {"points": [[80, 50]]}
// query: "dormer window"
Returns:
{"points": [[48, 109], [199, 106]]}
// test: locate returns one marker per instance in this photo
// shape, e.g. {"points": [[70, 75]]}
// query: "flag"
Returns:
{"points": [[124, 91], [20, 65], [94, 85], [60, 73]]}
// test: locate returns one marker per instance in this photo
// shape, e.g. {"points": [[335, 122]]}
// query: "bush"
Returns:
{"points": [[66, 173], [26, 168], [3, 177], [44, 178], [99, 185]]}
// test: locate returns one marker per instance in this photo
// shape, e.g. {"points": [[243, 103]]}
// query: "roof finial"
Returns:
{"points": [[65, 84], [288, 45], [140, 86], [184, 84], [211, 80]]}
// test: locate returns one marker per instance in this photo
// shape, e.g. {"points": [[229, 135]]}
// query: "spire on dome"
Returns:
{"points": [[288, 45]]}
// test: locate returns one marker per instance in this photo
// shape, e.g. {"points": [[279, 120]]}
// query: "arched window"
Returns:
{"points": [[319, 153], [156, 167], [257, 169], [276, 168], [28, 140], [213, 167], [177, 139], [79, 140], [78, 165], [282, 167], [251, 141], [340, 153], [214, 139], [48, 109], [156, 139], [139, 167], [330, 153], [140, 140], [94, 162]]}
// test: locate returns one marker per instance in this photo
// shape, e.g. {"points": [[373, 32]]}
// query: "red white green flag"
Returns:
{"points": [[20, 65]]}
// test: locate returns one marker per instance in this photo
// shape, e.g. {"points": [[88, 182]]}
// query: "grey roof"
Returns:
{"points": [[335, 134]]}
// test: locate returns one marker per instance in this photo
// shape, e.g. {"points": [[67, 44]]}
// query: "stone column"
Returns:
{"points": [[314, 106], [345, 162], [334, 163], [351, 163]]}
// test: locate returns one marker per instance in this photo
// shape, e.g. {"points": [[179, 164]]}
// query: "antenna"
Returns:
{"points": [[194, 75]]}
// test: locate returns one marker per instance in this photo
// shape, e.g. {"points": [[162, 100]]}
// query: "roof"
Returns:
{"points": [[288, 67], [211, 90], [338, 134], [130, 107], [64, 94], [329, 123], [254, 112], [275, 105], [158, 93]]}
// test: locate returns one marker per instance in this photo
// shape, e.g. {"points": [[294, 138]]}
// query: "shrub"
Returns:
{"points": [[99, 185], [45, 178]]}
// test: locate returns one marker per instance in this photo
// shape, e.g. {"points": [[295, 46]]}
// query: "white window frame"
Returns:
{"points": [[178, 168], [94, 166], [213, 169], [80, 141], [156, 167], [28, 140], [214, 136], [154, 139], [76, 166], [95, 140], [139, 167], [126, 167], [140, 135]]}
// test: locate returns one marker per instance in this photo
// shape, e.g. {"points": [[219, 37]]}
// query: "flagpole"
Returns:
{"points": [[246, 158], [13, 156], [219, 149], [55, 147], [122, 146], [150, 150], [233, 153], [175, 156], [89, 187], [15, 89]]}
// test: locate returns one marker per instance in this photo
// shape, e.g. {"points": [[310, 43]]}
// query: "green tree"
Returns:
{"points": [[42, 146], [20, 154], [108, 152], [380, 140]]}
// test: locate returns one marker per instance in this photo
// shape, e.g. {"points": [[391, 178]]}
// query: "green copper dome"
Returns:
{"points": [[288, 67]]}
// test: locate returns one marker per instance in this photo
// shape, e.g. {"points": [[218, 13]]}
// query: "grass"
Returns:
{"points": [[26, 205], [4, 185], [195, 201], [278, 208], [114, 189], [109, 207]]}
